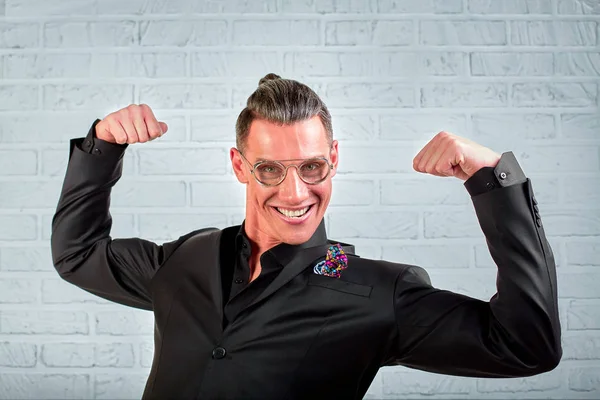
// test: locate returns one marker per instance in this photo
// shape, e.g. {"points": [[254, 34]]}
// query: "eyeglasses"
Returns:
{"points": [[272, 173]]}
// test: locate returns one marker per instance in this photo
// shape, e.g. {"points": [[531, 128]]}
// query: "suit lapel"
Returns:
{"points": [[303, 259]]}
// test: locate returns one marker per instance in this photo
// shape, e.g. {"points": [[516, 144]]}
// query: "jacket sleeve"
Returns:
{"points": [[516, 333], [83, 252]]}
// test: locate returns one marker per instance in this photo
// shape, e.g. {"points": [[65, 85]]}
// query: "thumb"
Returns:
{"points": [[163, 127]]}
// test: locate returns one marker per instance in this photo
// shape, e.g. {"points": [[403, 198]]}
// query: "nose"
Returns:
{"points": [[293, 190]]}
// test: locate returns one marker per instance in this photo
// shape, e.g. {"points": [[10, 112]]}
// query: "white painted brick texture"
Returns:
{"points": [[514, 75]]}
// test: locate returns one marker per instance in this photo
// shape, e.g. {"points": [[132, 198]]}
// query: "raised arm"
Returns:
{"points": [[82, 250], [516, 333]]}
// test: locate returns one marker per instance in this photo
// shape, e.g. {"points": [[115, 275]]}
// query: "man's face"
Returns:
{"points": [[266, 206]]}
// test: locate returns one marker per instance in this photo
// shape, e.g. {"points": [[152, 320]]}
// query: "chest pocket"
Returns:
{"points": [[339, 285]]}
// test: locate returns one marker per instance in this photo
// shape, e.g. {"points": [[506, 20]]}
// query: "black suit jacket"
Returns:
{"points": [[310, 336]]}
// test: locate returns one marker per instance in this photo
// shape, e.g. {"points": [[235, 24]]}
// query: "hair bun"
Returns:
{"points": [[268, 77]]}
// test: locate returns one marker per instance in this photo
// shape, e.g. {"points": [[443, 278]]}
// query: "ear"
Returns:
{"points": [[334, 157], [238, 165]]}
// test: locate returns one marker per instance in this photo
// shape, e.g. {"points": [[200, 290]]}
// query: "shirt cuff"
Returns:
{"points": [[508, 172], [98, 147]]}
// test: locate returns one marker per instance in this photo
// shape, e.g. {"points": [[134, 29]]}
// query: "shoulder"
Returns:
{"points": [[204, 234], [385, 271]]}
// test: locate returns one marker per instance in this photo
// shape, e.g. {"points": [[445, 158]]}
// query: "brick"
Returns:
{"points": [[113, 386], [26, 259], [344, 33], [398, 63], [44, 322], [583, 315], [43, 66], [17, 162], [407, 383], [510, 7], [585, 380], [378, 225], [182, 161], [422, 126], [369, 95], [554, 95], [216, 127], [185, 96], [580, 126], [289, 32], [18, 97], [572, 223], [578, 7], [90, 34], [21, 355], [16, 386], [26, 8], [122, 226], [458, 224], [376, 160], [583, 253], [534, 384], [235, 64], [466, 33], [146, 354], [579, 285], [421, 7], [54, 162], [18, 227], [464, 95], [442, 64], [429, 256], [135, 322], [328, 63], [583, 191], [57, 291], [18, 291], [577, 64], [352, 192], [44, 128], [581, 347], [132, 193], [18, 35], [512, 64], [353, 127], [428, 190], [86, 355], [552, 159], [145, 65], [117, 7], [29, 194], [218, 194], [479, 285], [327, 6], [87, 97], [183, 33], [553, 33], [171, 226], [513, 127]]}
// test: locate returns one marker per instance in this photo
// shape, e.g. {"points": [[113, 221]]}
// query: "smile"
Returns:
{"points": [[293, 213]]}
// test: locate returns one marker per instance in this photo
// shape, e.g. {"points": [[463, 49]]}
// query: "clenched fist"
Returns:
{"points": [[132, 124], [450, 155]]}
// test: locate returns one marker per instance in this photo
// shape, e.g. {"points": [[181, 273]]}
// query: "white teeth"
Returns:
{"points": [[291, 213]]}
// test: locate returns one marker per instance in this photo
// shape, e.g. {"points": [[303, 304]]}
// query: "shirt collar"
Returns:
{"points": [[284, 252]]}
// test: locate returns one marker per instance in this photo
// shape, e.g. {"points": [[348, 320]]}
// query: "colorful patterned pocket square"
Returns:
{"points": [[334, 263]]}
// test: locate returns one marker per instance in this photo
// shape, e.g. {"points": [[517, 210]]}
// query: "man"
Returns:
{"points": [[272, 309]]}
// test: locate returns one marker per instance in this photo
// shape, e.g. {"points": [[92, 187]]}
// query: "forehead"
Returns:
{"points": [[303, 139]]}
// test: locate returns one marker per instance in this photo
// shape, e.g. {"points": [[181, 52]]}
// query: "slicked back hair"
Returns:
{"points": [[281, 101]]}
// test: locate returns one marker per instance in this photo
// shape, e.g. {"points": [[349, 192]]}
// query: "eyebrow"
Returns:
{"points": [[260, 159]]}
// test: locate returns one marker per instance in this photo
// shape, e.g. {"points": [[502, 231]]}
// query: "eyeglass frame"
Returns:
{"points": [[285, 168]]}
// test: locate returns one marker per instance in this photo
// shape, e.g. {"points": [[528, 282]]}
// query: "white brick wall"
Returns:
{"points": [[520, 75]]}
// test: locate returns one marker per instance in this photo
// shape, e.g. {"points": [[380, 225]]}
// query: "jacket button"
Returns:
{"points": [[97, 151], [538, 222], [534, 201], [218, 353], [238, 281]]}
